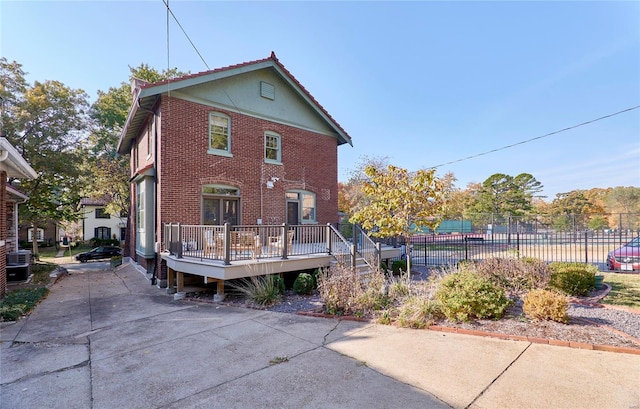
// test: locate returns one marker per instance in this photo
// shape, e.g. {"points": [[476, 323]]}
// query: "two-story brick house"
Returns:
{"points": [[244, 145]]}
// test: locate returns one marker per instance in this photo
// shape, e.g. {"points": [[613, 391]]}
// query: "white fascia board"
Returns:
{"points": [[14, 163]]}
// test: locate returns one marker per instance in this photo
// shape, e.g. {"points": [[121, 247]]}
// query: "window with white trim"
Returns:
{"points": [[40, 236], [219, 133], [272, 148]]}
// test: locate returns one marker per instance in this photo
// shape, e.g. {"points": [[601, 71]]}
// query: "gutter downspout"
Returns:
{"points": [[155, 199]]}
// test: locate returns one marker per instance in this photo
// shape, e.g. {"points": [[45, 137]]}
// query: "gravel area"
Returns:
{"points": [[589, 324], [624, 321]]}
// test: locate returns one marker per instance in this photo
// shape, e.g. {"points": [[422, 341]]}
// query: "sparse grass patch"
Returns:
{"points": [[625, 289], [279, 360], [20, 302], [41, 271]]}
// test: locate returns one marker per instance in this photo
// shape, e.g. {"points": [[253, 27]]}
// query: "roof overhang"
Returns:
{"points": [[16, 195], [13, 163], [146, 97]]}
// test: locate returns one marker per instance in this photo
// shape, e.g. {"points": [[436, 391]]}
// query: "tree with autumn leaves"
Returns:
{"points": [[398, 202]]}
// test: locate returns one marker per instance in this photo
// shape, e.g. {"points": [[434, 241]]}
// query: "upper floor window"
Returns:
{"points": [[272, 151], [219, 133], [102, 214]]}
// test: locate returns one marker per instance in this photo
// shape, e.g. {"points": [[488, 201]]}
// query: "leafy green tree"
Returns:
{"points": [[571, 210], [504, 195], [398, 201], [108, 173], [45, 123]]}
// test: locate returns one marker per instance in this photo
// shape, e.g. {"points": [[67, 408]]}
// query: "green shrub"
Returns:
{"points": [[279, 283], [465, 295], [573, 278], [304, 284], [398, 267], [19, 302], [262, 291], [418, 312], [546, 305], [383, 266]]}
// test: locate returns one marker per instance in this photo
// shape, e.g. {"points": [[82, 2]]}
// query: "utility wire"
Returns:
{"points": [[169, 11], [537, 137], [166, 3]]}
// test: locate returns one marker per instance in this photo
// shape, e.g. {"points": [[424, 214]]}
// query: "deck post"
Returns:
{"points": [[285, 240], [227, 244], [378, 255], [329, 238], [220, 290], [179, 281], [179, 240], [170, 280]]}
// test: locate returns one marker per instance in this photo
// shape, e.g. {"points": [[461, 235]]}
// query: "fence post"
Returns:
{"points": [[586, 247], [329, 237], [179, 240], [353, 257], [466, 247]]}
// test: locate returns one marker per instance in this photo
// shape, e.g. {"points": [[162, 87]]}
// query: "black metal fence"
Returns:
{"points": [[585, 247], [574, 238]]}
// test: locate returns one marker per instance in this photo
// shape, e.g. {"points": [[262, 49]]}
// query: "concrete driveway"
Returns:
{"points": [[106, 338]]}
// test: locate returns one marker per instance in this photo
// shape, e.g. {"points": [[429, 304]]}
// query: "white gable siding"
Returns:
{"points": [[90, 223], [242, 92]]}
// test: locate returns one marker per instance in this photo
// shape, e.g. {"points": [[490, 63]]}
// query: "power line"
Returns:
{"points": [[166, 3], [537, 137]]}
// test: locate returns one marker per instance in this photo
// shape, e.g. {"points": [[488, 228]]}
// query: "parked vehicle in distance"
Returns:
{"points": [[99, 253], [625, 258]]}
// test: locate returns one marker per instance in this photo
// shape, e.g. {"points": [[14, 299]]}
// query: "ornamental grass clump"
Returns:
{"points": [[573, 278], [418, 312], [345, 290], [465, 295], [546, 305], [262, 291]]}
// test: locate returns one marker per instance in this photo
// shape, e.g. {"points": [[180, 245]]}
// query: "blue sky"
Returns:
{"points": [[422, 83]]}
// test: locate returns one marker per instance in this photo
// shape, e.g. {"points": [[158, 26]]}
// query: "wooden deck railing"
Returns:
{"points": [[229, 243]]}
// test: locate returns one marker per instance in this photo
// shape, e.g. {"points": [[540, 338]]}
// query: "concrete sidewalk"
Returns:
{"points": [[109, 339]]}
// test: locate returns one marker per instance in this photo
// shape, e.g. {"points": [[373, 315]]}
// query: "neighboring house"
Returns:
{"points": [[47, 235], [96, 222], [246, 161], [12, 165]]}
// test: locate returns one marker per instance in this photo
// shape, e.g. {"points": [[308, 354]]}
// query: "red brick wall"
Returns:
{"points": [[309, 162]]}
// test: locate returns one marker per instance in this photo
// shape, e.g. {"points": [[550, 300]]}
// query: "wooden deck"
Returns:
{"points": [[249, 265]]}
